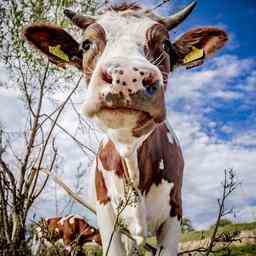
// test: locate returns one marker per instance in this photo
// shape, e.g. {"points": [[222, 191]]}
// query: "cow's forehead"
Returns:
{"points": [[118, 25]]}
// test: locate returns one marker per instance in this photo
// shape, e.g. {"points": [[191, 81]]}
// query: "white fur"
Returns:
{"points": [[171, 134], [157, 205], [125, 35], [106, 219], [161, 164], [169, 238]]}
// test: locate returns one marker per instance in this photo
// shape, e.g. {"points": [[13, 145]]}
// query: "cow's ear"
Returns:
{"points": [[58, 45], [197, 44]]}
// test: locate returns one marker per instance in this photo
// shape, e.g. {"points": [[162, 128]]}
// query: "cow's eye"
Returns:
{"points": [[86, 45], [167, 46], [170, 50]]}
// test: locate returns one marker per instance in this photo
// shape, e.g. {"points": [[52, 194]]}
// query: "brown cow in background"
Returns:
{"points": [[71, 231]]}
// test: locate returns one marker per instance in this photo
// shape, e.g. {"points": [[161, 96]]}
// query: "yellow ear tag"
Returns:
{"points": [[55, 50], [195, 54]]}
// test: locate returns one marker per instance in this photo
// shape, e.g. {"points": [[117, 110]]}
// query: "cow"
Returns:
{"points": [[126, 54], [72, 230]]}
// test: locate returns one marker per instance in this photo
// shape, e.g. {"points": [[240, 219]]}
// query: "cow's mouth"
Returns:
{"points": [[144, 120]]}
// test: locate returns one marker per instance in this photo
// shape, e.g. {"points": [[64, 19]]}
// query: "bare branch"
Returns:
{"points": [[33, 131]]}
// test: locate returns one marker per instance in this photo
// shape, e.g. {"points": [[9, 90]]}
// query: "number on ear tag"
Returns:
{"points": [[55, 50], [195, 54]]}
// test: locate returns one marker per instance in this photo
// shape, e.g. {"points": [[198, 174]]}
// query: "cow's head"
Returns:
{"points": [[126, 55]]}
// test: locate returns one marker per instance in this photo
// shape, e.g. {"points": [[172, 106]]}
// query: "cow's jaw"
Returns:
{"points": [[118, 125]]}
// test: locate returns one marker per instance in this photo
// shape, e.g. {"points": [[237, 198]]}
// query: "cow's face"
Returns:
{"points": [[126, 55], [125, 85]]}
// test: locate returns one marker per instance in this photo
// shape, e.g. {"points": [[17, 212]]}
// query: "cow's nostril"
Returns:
{"points": [[107, 77], [151, 86]]}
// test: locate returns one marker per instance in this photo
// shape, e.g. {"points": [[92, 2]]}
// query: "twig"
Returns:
{"points": [[229, 185]]}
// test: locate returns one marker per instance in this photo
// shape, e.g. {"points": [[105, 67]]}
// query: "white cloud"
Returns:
{"points": [[211, 80], [246, 139], [247, 214], [205, 161]]}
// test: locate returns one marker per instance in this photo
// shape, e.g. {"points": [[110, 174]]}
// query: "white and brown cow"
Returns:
{"points": [[72, 230], [126, 55]]}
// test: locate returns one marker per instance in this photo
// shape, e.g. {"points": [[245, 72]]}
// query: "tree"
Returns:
{"points": [[31, 148]]}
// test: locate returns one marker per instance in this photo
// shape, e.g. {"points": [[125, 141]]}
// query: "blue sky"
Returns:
{"points": [[211, 108]]}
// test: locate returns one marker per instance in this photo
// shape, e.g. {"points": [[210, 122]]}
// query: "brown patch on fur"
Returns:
{"points": [[41, 36], [87, 233], [110, 159], [81, 231], [49, 229], [208, 38], [101, 189], [96, 34], [78, 230], [156, 148], [154, 51], [144, 125], [53, 221]]}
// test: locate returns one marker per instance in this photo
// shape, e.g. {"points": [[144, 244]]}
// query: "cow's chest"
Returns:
{"points": [[149, 210]]}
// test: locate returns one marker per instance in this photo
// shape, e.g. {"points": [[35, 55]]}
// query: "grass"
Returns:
{"points": [[244, 250], [198, 235]]}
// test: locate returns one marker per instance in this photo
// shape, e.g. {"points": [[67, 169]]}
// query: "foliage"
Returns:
{"points": [[17, 14], [186, 225]]}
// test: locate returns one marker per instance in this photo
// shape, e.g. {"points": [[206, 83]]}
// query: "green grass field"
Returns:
{"points": [[198, 235]]}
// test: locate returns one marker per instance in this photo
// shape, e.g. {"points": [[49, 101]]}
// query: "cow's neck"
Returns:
{"points": [[129, 157]]}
